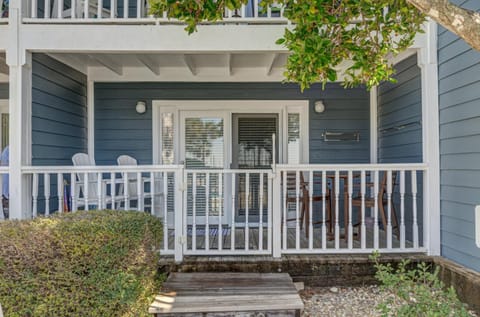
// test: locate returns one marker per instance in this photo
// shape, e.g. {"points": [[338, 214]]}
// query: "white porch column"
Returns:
{"points": [[20, 88], [427, 61]]}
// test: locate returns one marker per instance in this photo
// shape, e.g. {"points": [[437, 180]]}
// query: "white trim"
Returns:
{"points": [[91, 118], [233, 106], [427, 61], [374, 125]]}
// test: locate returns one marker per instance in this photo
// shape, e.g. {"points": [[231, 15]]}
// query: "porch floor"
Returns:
{"points": [[254, 239]]}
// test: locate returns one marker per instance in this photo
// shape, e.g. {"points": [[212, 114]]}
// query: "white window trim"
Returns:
{"points": [[280, 107]]}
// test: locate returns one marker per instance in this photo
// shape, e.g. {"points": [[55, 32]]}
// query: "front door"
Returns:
{"points": [[253, 149]]}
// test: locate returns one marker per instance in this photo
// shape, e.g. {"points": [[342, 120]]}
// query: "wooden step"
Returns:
{"points": [[228, 294]]}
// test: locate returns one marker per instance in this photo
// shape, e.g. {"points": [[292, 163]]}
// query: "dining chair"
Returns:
{"points": [[304, 199], [383, 200]]}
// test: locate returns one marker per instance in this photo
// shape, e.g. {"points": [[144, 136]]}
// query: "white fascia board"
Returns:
{"points": [[151, 38]]}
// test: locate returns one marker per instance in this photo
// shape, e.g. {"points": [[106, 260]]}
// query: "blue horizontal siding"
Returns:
{"points": [[120, 130], [459, 100], [59, 117]]}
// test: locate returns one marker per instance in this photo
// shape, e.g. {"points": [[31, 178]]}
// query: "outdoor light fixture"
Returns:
{"points": [[319, 106], [141, 107]]}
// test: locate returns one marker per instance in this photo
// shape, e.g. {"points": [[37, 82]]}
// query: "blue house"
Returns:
{"points": [[104, 106]]}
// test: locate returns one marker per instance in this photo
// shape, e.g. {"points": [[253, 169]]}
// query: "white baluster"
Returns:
{"points": [[86, 7], [99, 192], [220, 200], [35, 195], [60, 9], [34, 8], [113, 9], [165, 207], [255, 8], [139, 192], [113, 188], [46, 191], [324, 218], [60, 192], [363, 229], [99, 9], [73, 191], [260, 227], [232, 234], [350, 226], [270, 210], [269, 12], [126, 198], [125, 9], [247, 199], [389, 209], [152, 192], [310, 210], [139, 9], [375, 210], [297, 210], [207, 211], [337, 225], [414, 209], [402, 209], [285, 211], [85, 189], [46, 9], [194, 211], [73, 9], [243, 11]]}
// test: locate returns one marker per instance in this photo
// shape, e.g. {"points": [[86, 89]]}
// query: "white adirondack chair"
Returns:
{"points": [[132, 180], [82, 159]]}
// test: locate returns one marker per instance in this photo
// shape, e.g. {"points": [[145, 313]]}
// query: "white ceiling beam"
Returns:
{"points": [[150, 63], [188, 59], [271, 60], [229, 64], [72, 61], [3, 65], [109, 63]]}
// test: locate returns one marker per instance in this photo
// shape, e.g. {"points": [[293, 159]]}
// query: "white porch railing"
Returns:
{"points": [[69, 188], [123, 11], [388, 193], [292, 209]]}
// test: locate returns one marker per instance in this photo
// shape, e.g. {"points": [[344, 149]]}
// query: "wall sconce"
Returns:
{"points": [[141, 107], [319, 106]]}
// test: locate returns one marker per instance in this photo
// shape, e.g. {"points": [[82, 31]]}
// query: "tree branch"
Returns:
{"points": [[463, 22]]}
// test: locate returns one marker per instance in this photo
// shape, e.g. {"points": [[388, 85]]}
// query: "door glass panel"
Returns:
{"points": [[253, 149], [293, 147], [204, 142], [204, 149], [167, 138]]}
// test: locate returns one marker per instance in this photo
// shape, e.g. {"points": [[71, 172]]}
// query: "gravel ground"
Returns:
{"points": [[343, 301]]}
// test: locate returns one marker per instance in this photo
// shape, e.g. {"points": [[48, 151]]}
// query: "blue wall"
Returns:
{"points": [[3, 91], [400, 133], [459, 102], [59, 112], [120, 130], [400, 115], [59, 118]]}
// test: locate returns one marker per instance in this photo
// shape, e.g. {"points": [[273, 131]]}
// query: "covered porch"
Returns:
{"points": [[233, 161]]}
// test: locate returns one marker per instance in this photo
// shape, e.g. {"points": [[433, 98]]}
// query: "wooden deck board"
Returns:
{"points": [[187, 293]]}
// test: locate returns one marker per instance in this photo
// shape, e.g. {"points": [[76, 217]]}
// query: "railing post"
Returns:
{"points": [[179, 238], [276, 216]]}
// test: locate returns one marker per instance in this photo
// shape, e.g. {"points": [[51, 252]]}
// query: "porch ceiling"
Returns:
{"points": [[227, 66]]}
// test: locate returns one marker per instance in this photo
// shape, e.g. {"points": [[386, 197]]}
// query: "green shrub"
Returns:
{"points": [[416, 291], [97, 263]]}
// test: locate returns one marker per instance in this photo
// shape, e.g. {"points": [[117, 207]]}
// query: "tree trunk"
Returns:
{"points": [[464, 23]]}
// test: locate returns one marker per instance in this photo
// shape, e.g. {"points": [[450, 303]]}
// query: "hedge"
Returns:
{"points": [[96, 263]]}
